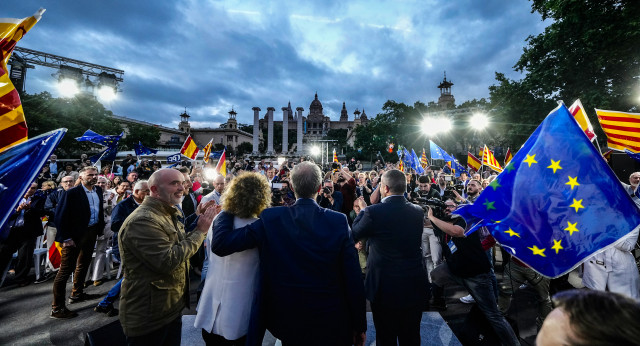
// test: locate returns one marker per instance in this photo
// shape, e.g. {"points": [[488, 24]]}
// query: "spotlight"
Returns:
{"points": [[107, 86], [315, 151], [479, 121], [433, 126], [210, 173], [68, 87], [106, 93]]}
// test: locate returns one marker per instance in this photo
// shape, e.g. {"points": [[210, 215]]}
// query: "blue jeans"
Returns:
{"points": [[113, 294], [481, 289]]}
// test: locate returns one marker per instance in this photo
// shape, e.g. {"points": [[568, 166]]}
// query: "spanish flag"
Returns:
{"points": [[221, 167], [577, 110], [189, 148], [489, 160], [508, 156], [207, 151], [335, 156], [13, 126], [55, 254], [423, 159], [473, 162], [622, 129]]}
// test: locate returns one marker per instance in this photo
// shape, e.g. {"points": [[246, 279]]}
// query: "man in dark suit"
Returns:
{"points": [[396, 283], [80, 219], [312, 291]]}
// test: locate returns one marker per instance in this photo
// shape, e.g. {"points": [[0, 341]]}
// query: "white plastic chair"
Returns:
{"points": [[40, 251]]}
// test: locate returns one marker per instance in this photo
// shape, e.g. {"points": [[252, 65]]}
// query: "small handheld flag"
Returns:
{"points": [[423, 159], [577, 110], [508, 156], [207, 151], [189, 148], [489, 160], [142, 150], [335, 156], [221, 167], [473, 162]]}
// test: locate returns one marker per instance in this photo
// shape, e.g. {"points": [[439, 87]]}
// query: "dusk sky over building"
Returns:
{"points": [[210, 56]]}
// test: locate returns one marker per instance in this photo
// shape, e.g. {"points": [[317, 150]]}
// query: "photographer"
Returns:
{"points": [[441, 184], [328, 198], [467, 264], [474, 188], [424, 189], [431, 247]]}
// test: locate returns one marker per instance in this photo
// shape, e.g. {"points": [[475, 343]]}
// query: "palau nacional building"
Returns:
{"points": [[308, 129]]}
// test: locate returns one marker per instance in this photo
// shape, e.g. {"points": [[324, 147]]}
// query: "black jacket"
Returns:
{"points": [[72, 214]]}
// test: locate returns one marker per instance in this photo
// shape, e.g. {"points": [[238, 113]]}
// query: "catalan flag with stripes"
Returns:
{"points": [[13, 126], [423, 159], [489, 160], [190, 148], [577, 110], [335, 156], [221, 167], [473, 162], [622, 129], [207, 151], [508, 156]]}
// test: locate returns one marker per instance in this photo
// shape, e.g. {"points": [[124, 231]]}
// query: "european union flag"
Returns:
{"points": [[107, 141], [415, 162], [557, 202], [216, 154], [19, 166], [108, 154], [142, 150], [438, 153], [406, 158], [457, 167]]}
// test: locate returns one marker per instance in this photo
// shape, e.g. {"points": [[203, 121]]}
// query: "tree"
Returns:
{"points": [[244, 148], [148, 135]]}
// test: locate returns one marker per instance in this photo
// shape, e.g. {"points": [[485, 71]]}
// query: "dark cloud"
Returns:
{"points": [[212, 56]]}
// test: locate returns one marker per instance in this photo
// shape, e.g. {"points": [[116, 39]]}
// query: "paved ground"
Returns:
{"points": [[24, 314]]}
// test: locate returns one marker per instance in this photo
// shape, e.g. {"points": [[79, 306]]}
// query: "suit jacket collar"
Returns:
{"points": [[394, 199], [306, 201]]}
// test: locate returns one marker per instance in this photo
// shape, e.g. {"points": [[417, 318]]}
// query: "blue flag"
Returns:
{"points": [[216, 154], [174, 158], [416, 163], [557, 202], [19, 167], [142, 150], [108, 154], [457, 167], [406, 158], [438, 153], [107, 141]]}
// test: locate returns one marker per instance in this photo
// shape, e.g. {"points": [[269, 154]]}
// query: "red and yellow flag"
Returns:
{"points": [[13, 126], [335, 156], [55, 254], [401, 165], [207, 151], [221, 167], [189, 148], [489, 160], [473, 162], [622, 129], [508, 156], [577, 110], [423, 159]]}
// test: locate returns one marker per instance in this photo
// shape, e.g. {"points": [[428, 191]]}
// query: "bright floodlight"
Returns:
{"points": [[315, 151], [434, 126], [68, 87], [281, 160], [210, 173], [106, 93], [479, 121]]}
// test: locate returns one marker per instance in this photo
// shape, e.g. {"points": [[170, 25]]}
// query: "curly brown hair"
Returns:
{"points": [[247, 195]]}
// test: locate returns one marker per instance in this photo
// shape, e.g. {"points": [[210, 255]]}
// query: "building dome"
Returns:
{"points": [[315, 108]]}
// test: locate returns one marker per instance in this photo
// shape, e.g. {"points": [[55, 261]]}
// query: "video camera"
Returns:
{"points": [[435, 204]]}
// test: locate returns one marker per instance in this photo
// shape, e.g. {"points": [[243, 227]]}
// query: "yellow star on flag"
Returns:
{"points": [[556, 245], [571, 227], [531, 159], [573, 182], [555, 165], [512, 233], [537, 251], [576, 204]]}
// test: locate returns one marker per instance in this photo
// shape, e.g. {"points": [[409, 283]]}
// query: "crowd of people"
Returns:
{"points": [[304, 271]]}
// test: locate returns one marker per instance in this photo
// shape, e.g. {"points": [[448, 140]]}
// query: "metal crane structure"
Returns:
{"points": [[72, 74]]}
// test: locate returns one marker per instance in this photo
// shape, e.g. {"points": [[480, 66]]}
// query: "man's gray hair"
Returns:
{"points": [[306, 179], [88, 168], [139, 183], [396, 181]]}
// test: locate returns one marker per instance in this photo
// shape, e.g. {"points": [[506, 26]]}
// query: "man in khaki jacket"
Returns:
{"points": [[155, 252]]}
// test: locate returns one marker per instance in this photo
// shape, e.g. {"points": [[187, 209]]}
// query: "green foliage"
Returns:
{"points": [[148, 135], [244, 148]]}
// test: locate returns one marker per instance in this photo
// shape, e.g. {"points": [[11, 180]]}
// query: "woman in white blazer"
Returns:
{"points": [[225, 304]]}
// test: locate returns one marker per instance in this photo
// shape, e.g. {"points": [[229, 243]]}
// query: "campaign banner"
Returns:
{"points": [[174, 158]]}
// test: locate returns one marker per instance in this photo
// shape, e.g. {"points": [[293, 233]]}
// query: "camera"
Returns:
{"points": [[335, 166], [435, 204], [276, 198]]}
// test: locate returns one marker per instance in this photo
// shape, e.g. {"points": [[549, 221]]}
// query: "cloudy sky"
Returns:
{"points": [[210, 56]]}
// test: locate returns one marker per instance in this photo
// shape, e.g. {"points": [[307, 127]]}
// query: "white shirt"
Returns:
{"points": [[214, 195]]}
